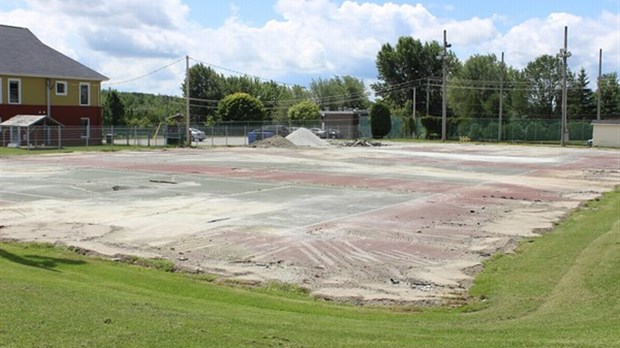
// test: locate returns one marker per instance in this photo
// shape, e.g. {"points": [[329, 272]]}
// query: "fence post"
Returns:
{"points": [[212, 136], [245, 135], [226, 133]]}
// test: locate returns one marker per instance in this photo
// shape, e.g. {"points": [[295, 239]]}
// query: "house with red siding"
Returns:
{"points": [[36, 80]]}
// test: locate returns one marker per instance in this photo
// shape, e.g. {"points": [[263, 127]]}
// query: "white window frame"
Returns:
{"points": [[87, 96], [19, 90], [85, 126], [0, 90], [58, 83]]}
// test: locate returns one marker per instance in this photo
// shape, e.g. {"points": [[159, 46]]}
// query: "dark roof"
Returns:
{"points": [[22, 54]]}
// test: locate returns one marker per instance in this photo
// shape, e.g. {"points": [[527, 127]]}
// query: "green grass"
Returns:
{"points": [[559, 290]]}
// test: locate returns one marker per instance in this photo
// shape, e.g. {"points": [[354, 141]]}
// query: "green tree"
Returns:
{"points": [[113, 109], [206, 88], [143, 109], [345, 92], [271, 94], [543, 78], [581, 101], [473, 91], [288, 97], [610, 94], [240, 107], [411, 64], [304, 111], [380, 120], [355, 93]]}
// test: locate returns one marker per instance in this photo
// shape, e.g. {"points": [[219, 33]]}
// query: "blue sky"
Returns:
{"points": [[213, 13], [296, 41]]}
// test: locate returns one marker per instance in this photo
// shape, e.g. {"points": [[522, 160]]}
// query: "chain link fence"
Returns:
{"points": [[238, 133], [512, 130]]}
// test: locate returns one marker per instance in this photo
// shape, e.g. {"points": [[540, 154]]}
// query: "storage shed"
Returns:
{"points": [[606, 133]]}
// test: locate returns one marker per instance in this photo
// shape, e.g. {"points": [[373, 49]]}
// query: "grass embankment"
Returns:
{"points": [[559, 290]]}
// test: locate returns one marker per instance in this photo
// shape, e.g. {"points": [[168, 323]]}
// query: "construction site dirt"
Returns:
{"points": [[400, 223]]}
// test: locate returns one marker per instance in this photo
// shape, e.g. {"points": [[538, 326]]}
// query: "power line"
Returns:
{"points": [[242, 73], [145, 75]]}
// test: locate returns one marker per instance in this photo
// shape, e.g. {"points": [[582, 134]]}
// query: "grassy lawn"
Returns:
{"points": [[559, 290]]}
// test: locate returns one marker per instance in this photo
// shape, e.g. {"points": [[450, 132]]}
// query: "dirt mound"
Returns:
{"points": [[304, 137], [275, 141]]}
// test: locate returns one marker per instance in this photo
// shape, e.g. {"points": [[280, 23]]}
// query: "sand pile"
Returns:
{"points": [[304, 137]]}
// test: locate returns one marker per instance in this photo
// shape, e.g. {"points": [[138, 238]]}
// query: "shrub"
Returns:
{"points": [[380, 120], [304, 111], [240, 107], [432, 125]]}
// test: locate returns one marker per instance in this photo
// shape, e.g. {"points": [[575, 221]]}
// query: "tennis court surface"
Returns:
{"points": [[391, 224]]}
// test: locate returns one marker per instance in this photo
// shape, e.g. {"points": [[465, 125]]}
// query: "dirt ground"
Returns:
{"points": [[394, 224]]}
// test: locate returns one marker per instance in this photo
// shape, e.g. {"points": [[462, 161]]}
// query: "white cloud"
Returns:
{"points": [[532, 38], [125, 39]]}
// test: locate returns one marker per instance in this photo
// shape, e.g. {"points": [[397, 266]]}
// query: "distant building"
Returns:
{"points": [[35, 79], [346, 122]]}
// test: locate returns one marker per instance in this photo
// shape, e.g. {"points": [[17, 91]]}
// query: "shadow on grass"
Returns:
{"points": [[43, 262]]}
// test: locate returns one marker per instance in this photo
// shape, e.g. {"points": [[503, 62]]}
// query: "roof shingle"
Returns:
{"points": [[23, 54]]}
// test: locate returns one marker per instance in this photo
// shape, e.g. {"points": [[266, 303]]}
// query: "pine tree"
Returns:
{"points": [[581, 103]]}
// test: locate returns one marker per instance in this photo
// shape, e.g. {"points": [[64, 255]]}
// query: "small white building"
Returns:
{"points": [[606, 133]]}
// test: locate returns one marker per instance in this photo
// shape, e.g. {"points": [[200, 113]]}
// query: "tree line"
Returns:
{"points": [[409, 77], [215, 97]]}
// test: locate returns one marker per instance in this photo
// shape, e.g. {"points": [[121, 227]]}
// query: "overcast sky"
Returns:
{"points": [[295, 41]]}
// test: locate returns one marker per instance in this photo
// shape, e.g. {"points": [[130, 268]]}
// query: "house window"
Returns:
{"points": [[84, 93], [15, 91], [61, 87], [85, 132]]}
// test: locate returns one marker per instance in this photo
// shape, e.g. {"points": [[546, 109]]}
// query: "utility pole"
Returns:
{"points": [[564, 54], [428, 95], [413, 107], [501, 98], [188, 140], [444, 69], [598, 84]]}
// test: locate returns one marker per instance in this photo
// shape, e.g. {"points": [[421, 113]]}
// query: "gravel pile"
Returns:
{"points": [[304, 137], [275, 141]]}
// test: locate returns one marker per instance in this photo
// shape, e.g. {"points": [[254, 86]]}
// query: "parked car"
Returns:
{"points": [[197, 135], [334, 134], [319, 132], [275, 129]]}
